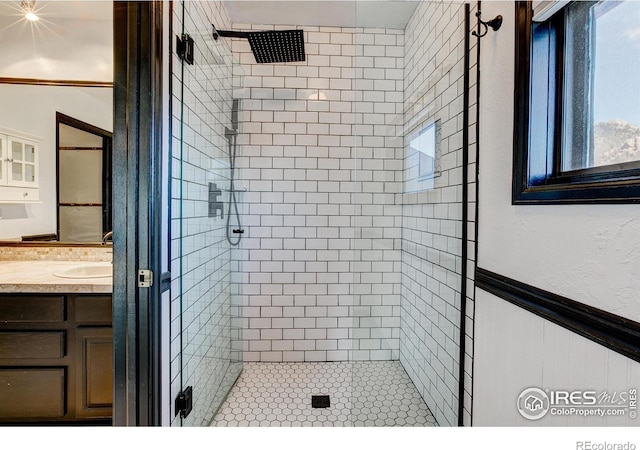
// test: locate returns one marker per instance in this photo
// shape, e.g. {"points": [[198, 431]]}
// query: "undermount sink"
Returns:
{"points": [[87, 270]]}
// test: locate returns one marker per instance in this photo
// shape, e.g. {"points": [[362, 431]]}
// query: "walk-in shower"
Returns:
{"points": [[348, 279]]}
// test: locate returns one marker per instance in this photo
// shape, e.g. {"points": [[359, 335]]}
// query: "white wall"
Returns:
{"points": [[32, 110], [588, 253]]}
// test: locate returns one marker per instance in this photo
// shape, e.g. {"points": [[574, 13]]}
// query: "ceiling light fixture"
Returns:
{"points": [[29, 9]]}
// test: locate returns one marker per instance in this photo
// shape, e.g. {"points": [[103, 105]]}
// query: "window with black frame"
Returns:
{"points": [[577, 110]]}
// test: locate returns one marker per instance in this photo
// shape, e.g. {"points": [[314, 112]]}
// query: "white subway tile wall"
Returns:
{"points": [[322, 248], [432, 210], [202, 312]]}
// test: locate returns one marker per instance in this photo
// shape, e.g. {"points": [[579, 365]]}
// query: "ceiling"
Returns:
{"points": [[70, 34], [72, 40], [345, 13], [68, 9], [342, 13]]}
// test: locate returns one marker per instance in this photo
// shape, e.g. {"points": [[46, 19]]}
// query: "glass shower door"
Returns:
{"points": [[379, 397], [408, 223], [206, 332]]}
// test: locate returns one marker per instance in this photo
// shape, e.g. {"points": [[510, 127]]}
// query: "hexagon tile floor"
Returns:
{"points": [[367, 393]]}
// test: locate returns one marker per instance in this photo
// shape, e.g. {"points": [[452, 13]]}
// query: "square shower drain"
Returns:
{"points": [[320, 401]]}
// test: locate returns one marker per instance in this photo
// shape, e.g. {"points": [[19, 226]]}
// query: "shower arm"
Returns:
{"points": [[231, 34]]}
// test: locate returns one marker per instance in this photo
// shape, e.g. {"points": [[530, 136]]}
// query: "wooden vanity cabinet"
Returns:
{"points": [[56, 358]]}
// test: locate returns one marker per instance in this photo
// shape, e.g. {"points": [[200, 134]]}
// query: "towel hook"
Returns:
{"points": [[494, 24]]}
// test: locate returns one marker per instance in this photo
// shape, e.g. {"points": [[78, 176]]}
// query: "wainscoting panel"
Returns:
{"points": [[516, 349]]}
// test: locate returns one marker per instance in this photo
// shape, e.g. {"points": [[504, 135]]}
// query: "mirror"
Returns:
{"points": [[56, 78]]}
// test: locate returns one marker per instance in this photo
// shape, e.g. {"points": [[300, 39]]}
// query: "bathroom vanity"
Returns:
{"points": [[56, 344]]}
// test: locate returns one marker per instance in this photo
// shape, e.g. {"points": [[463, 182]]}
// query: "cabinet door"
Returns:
{"points": [[22, 163], [94, 372]]}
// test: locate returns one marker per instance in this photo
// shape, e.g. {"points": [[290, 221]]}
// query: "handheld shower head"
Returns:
{"points": [[234, 114], [233, 131]]}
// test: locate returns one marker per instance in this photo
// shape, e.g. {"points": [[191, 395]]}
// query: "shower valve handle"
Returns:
{"points": [[214, 204]]}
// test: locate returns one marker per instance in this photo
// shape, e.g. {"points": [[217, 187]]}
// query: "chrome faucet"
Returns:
{"points": [[107, 236]]}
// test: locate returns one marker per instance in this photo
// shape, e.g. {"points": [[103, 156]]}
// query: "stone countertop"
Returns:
{"points": [[38, 277]]}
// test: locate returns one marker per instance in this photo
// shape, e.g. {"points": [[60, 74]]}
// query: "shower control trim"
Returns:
{"points": [[214, 204]]}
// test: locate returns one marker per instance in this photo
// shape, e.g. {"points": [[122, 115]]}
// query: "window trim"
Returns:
{"points": [[617, 183]]}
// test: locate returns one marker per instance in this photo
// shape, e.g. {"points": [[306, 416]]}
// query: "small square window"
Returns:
{"points": [[577, 120], [421, 163]]}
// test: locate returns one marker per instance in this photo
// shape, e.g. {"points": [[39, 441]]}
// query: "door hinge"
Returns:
{"points": [[145, 278], [184, 402], [184, 48]]}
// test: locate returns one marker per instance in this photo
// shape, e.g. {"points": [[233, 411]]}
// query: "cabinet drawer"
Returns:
{"points": [[19, 309], [32, 393], [93, 309], [11, 194], [31, 344]]}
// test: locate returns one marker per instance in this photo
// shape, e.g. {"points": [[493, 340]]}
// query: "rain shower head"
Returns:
{"points": [[274, 46], [277, 46]]}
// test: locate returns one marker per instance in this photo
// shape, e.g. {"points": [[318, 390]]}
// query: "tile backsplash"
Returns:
{"points": [[56, 253]]}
